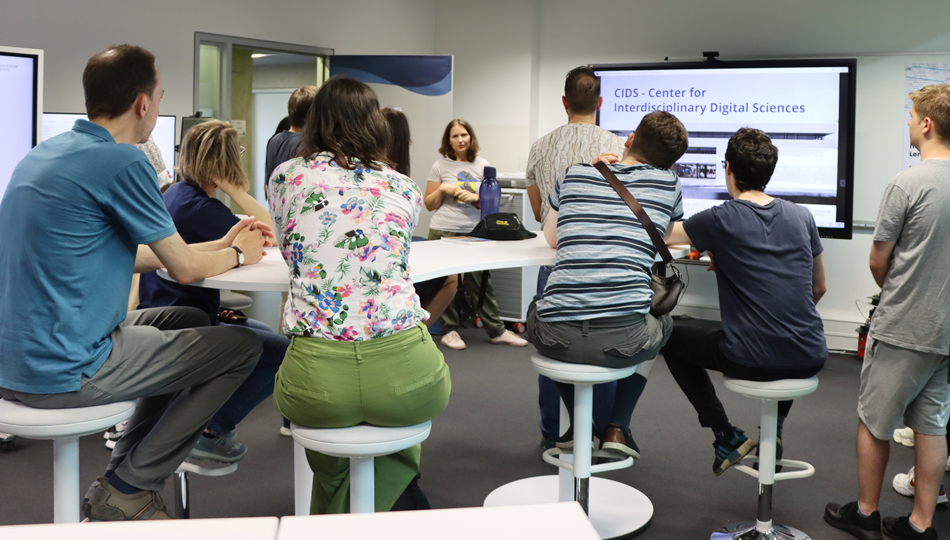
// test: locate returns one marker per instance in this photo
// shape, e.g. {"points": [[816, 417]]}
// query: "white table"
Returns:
{"points": [[427, 260], [548, 521], [261, 528]]}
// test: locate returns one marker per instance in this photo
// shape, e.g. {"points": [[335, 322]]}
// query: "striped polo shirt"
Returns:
{"points": [[604, 255]]}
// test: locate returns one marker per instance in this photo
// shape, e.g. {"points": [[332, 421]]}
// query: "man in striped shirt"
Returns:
{"points": [[596, 306], [580, 140]]}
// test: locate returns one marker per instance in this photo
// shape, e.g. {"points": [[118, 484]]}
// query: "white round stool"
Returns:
{"points": [[770, 393], [63, 427], [360, 444], [615, 509]]}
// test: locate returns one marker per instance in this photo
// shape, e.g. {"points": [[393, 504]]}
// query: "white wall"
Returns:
{"points": [[515, 51], [70, 32], [492, 44]]}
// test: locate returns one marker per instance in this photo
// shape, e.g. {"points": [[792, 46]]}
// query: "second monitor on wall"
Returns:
{"points": [[164, 132]]}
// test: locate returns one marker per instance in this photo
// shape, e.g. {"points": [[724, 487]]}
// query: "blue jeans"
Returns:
{"points": [[258, 385], [549, 400]]}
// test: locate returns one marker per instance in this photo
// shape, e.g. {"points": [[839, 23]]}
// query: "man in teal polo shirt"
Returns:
{"points": [[81, 212]]}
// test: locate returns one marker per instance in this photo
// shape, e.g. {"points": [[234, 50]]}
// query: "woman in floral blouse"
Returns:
{"points": [[359, 352]]}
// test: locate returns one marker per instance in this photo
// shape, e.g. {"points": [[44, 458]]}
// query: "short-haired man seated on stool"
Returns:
{"points": [[81, 211], [767, 257]]}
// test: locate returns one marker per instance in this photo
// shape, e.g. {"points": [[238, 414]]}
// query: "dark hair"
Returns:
{"points": [[660, 140], [446, 148], [345, 121], [752, 157], [299, 105], [115, 78], [399, 151], [282, 126], [582, 90]]}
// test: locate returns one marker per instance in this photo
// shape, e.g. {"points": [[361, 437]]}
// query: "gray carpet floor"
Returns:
{"points": [[489, 435]]}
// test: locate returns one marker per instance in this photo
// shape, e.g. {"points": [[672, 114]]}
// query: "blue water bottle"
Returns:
{"points": [[489, 193]]}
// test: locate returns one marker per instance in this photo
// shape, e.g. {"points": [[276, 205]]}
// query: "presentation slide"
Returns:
{"points": [[164, 133], [799, 107], [16, 113]]}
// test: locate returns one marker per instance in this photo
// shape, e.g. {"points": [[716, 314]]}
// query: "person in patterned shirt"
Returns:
{"points": [[360, 351]]}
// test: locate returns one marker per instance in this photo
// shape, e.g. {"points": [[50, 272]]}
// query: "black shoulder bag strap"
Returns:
{"points": [[638, 210]]}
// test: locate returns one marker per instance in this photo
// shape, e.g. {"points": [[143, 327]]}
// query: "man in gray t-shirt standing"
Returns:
{"points": [[580, 140], [905, 367]]}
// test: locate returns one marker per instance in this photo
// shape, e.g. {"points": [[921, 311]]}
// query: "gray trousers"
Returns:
{"points": [[179, 369]]}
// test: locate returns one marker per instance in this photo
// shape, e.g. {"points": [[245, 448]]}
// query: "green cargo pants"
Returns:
{"points": [[489, 310], [397, 380]]}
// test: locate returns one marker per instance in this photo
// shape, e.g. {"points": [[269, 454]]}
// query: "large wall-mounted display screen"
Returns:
{"points": [[806, 107], [21, 99]]}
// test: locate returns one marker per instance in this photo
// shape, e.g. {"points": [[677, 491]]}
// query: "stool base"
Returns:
{"points": [[182, 487], [616, 510], [745, 530]]}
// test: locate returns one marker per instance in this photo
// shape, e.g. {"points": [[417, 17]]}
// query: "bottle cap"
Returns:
{"points": [[490, 172]]}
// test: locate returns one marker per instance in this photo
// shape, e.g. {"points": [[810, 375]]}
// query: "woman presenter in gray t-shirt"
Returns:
{"points": [[452, 196]]}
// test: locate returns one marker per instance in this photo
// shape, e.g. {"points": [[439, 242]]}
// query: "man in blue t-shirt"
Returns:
{"points": [[768, 263], [82, 211]]}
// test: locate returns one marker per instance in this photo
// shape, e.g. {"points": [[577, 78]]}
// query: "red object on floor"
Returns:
{"points": [[862, 340]]}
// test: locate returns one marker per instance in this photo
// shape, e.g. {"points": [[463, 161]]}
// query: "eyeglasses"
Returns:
{"points": [[241, 152]]}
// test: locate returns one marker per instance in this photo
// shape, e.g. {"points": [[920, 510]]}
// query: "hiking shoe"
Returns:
{"points": [[105, 503], [904, 484], [848, 518], [904, 436], [508, 338], [618, 440], [729, 453], [114, 433], [453, 340], [223, 448], [901, 529]]}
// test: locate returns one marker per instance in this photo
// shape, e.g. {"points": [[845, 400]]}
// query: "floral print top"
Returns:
{"points": [[345, 237]]}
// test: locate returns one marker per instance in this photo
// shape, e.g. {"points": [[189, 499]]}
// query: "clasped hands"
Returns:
{"points": [[250, 236], [459, 194]]}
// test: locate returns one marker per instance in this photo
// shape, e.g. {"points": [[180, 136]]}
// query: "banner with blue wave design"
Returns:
{"points": [[425, 75]]}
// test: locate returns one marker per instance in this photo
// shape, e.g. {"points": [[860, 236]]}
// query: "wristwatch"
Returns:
{"points": [[240, 255]]}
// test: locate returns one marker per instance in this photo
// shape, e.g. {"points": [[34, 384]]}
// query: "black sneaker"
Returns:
{"points": [[847, 518], [566, 441], [901, 529], [546, 444], [729, 453]]}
